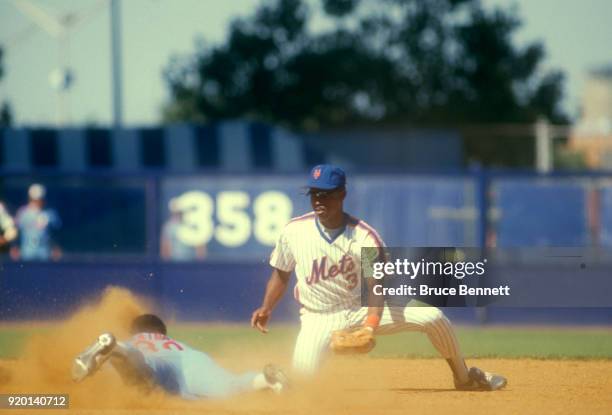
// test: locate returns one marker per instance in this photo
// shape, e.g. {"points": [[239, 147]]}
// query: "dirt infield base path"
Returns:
{"points": [[361, 386]]}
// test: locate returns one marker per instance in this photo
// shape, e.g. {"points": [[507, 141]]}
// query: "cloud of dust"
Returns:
{"points": [[44, 367]]}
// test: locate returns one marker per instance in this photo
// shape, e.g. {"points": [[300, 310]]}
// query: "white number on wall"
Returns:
{"points": [[198, 226], [272, 210], [234, 223]]}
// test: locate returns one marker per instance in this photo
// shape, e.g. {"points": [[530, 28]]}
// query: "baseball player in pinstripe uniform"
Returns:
{"points": [[323, 248]]}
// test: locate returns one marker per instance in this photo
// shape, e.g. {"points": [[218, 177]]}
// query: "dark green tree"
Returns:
{"points": [[417, 62]]}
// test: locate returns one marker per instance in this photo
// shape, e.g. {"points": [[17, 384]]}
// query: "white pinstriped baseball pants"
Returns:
{"points": [[313, 339]]}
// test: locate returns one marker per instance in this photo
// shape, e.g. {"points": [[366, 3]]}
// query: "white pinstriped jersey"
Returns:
{"points": [[328, 270]]}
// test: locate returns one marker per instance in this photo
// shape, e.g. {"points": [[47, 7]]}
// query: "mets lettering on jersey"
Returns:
{"points": [[327, 266], [321, 272]]}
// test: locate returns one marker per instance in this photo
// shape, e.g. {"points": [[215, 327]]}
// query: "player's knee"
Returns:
{"points": [[433, 315]]}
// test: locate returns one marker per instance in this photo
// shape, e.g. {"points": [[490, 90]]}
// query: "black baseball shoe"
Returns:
{"points": [[93, 357], [481, 381]]}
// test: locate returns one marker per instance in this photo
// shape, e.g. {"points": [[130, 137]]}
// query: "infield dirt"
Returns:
{"points": [[352, 385]]}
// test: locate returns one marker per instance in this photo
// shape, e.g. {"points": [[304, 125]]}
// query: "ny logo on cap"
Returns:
{"points": [[316, 173]]}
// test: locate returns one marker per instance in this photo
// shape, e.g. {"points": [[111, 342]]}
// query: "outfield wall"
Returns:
{"points": [[228, 292], [112, 224], [238, 217]]}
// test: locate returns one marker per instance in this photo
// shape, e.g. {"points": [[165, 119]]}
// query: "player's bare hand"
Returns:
{"points": [[259, 319]]}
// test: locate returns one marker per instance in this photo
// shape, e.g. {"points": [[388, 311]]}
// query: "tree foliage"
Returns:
{"points": [[421, 62]]}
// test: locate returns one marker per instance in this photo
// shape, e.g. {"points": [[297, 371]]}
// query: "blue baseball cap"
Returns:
{"points": [[326, 177]]}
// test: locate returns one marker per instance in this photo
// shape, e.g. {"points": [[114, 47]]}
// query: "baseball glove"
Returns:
{"points": [[353, 341]]}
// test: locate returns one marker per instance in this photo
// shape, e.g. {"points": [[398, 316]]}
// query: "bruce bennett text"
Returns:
{"points": [[423, 289]]}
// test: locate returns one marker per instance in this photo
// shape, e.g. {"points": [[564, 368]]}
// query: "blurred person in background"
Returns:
{"points": [[36, 224], [173, 248], [8, 231]]}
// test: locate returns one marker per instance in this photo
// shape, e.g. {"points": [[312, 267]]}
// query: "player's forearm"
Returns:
{"points": [[275, 289], [375, 311], [376, 305]]}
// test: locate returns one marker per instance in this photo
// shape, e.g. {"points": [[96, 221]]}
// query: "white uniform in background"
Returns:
{"points": [[8, 230]]}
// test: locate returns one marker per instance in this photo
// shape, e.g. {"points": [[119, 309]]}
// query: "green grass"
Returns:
{"points": [[541, 343], [216, 338], [506, 342], [13, 338]]}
